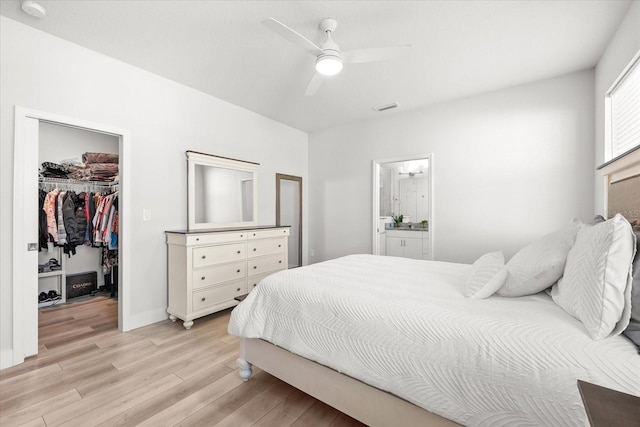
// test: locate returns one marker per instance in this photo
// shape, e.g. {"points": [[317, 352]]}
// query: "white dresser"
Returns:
{"points": [[209, 268]]}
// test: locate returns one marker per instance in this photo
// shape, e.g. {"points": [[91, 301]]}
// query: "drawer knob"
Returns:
{"points": [[254, 249], [279, 246], [238, 251], [255, 266], [238, 289], [197, 239], [204, 256], [242, 235], [202, 278], [255, 284], [280, 262], [238, 271], [203, 298], [254, 234]]}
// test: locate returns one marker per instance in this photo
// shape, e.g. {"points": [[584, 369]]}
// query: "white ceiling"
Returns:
{"points": [[459, 48]]}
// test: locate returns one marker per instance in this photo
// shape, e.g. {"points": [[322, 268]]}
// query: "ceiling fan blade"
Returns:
{"points": [[289, 34], [314, 84], [374, 54]]}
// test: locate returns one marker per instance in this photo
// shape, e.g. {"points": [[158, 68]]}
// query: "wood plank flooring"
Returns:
{"points": [[87, 373]]}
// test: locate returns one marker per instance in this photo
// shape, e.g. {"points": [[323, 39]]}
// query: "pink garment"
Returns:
{"points": [[97, 218], [49, 207]]}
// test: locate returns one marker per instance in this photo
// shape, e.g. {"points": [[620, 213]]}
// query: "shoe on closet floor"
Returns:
{"points": [[53, 295], [54, 264]]}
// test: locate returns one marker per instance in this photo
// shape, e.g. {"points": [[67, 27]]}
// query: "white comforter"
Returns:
{"points": [[404, 326]]}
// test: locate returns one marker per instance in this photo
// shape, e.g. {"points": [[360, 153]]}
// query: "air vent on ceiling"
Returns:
{"points": [[386, 107]]}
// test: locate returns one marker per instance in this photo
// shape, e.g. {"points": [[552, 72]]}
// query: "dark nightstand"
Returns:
{"points": [[609, 408]]}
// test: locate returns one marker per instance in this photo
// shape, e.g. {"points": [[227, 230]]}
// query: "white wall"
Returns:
{"points": [[508, 166], [165, 119], [618, 54]]}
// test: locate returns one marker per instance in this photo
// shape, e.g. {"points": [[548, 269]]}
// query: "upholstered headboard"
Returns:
{"points": [[622, 187]]}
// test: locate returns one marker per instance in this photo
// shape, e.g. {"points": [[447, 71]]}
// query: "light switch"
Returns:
{"points": [[146, 214]]}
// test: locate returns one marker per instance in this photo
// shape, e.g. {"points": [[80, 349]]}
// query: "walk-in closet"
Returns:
{"points": [[78, 205]]}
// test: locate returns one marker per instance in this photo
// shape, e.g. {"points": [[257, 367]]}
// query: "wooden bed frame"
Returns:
{"points": [[373, 406], [363, 402]]}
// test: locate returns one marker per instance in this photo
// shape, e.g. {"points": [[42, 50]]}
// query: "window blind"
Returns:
{"points": [[625, 112]]}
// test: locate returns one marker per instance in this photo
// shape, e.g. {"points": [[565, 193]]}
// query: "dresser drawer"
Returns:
{"points": [[217, 295], [253, 281], [265, 247], [265, 234], [218, 274], [212, 238], [209, 255], [265, 264]]}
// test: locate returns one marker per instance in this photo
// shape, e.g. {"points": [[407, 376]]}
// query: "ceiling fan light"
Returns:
{"points": [[329, 65]]}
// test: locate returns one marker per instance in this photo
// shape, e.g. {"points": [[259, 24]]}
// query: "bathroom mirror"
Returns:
{"points": [[221, 192]]}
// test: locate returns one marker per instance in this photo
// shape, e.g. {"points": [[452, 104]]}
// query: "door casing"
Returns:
{"points": [[25, 230], [298, 179]]}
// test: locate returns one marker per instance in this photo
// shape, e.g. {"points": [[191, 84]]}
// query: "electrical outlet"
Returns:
{"points": [[146, 214]]}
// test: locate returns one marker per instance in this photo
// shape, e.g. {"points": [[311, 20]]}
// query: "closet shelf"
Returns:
{"points": [[49, 303], [74, 183], [51, 273]]}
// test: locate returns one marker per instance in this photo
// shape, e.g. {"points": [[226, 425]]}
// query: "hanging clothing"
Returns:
{"points": [[43, 235], [62, 234], [71, 219], [81, 218], [49, 207]]}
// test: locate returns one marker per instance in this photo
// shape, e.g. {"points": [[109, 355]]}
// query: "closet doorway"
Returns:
{"points": [[289, 212], [38, 137], [79, 174]]}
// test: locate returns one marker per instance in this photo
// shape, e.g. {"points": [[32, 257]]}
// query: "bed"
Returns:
{"points": [[394, 341]]}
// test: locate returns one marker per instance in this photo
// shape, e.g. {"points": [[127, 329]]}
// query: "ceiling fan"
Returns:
{"points": [[329, 59]]}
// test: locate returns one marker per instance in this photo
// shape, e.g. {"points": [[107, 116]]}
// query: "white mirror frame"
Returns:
{"points": [[195, 158]]}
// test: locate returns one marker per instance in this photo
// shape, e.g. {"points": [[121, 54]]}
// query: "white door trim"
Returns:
{"points": [[24, 330]]}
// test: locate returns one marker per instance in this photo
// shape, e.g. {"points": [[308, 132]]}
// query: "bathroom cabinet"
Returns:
{"points": [[408, 243]]}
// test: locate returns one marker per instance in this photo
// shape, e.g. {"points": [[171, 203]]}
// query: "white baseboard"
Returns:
{"points": [[6, 358]]}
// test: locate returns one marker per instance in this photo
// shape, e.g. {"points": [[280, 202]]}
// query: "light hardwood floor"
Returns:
{"points": [[87, 373]]}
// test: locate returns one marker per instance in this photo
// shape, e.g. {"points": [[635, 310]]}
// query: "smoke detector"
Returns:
{"points": [[33, 9]]}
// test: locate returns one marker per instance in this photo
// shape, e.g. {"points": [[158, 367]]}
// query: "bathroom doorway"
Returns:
{"points": [[402, 191]]}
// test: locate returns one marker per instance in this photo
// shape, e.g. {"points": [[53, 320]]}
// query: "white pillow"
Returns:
{"points": [[487, 275], [540, 264], [596, 287]]}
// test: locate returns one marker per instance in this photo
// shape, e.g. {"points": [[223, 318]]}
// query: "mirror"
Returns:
{"points": [[404, 190], [222, 192]]}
